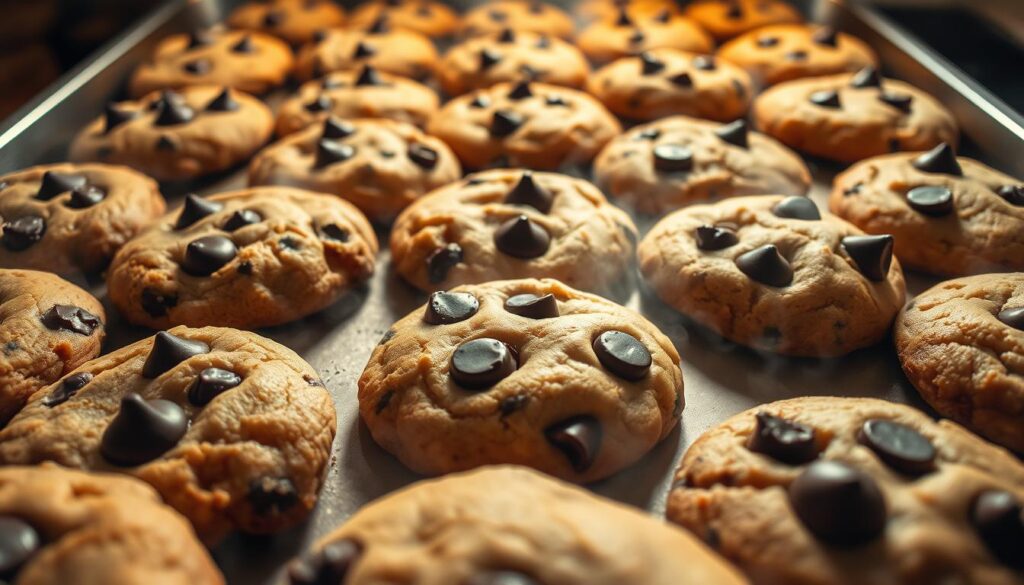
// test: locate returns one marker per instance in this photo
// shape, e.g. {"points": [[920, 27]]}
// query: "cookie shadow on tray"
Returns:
{"points": [[306, 333]]}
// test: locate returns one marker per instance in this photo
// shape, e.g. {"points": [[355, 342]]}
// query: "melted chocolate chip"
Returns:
{"points": [[241, 218], [273, 18], [650, 65], [441, 261], [70, 318], [872, 254], [797, 208], [839, 504], [1014, 317], [380, 26], [54, 184], [579, 438], [444, 307], [363, 51], [481, 363], [933, 200], [224, 102], [900, 101], [333, 231], [198, 67], [766, 42], [424, 156], [520, 91], [369, 77], [672, 158], [555, 100], [327, 566], [705, 63], [19, 542], [783, 440], [168, 351], [320, 103], [142, 430], [521, 237], [528, 192], [623, 18], [531, 306], [866, 77], [479, 102], [196, 208], [623, 355], [711, 238], [200, 38], [489, 58], [1013, 194], [734, 133], [244, 45], [329, 152], [826, 36], [210, 383], [337, 129], [68, 388], [165, 143], [766, 265], [649, 134], [208, 254], [173, 111], [681, 79], [157, 304], [506, 36], [85, 197], [999, 520], [940, 159], [636, 38], [271, 496], [798, 55], [826, 98], [899, 446], [22, 233], [114, 116]]}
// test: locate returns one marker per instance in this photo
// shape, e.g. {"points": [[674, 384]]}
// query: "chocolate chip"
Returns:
{"points": [[444, 307], [712, 238], [734, 11], [940, 159], [479, 102], [623, 355], [224, 102], [798, 55], [369, 77], [766, 265], [320, 36], [636, 38], [1013, 317], [23, 232], [531, 306], [441, 261], [826, 98], [320, 103], [543, 42], [210, 383], [827, 36], [244, 45], [797, 208], [704, 63], [270, 496], [766, 42], [54, 184], [142, 430], [528, 192], [166, 144], [866, 77], [380, 26], [327, 566], [273, 18], [329, 152], [555, 100], [734, 133], [68, 388], [70, 318], [649, 134], [489, 58], [650, 65], [872, 254], [157, 304], [999, 520], [18, 543], [242, 218], [332, 83], [198, 67], [333, 231], [900, 101], [424, 156], [672, 158], [899, 446], [783, 440], [511, 404], [501, 578], [506, 36], [172, 111], [839, 504], [522, 238], [681, 79], [168, 351], [481, 363], [200, 38], [1013, 194], [623, 18], [337, 129], [579, 438], [663, 17], [85, 197], [933, 200], [196, 208], [114, 116], [208, 254], [363, 51], [520, 91]]}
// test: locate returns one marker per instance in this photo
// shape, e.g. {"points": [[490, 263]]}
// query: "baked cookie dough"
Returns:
{"points": [[176, 136], [296, 21], [233, 430], [844, 491], [251, 258], [518, 15], [398, 51], [482, 61], [247, 61], [380, 166], [848, 118], [65, 526], [591, 10], [48, 327], [961, 344], [532, 125], [725, 19], [950, 216], [504, 224], [662, 166], [364, 92], [427, 17], [771, 273], [778, 53], [627, 34], [666, 82], [507, 526], [71, 218]]}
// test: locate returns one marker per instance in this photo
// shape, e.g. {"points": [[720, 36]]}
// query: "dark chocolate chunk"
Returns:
{"points": [[273, 18], [244, 45], [445, 307], [337, 129], [168, 351], [1013, 194], [511, 404], [210, 383], [196, 208], [363, 51], [522, 238], [650, 65], [380, 26], [940, 159], [579, 438], [198, 67], [114, 116], [899, 446], [85, 197], [555, 100], [489, 58], [424, 156], [766, 265], [672, 158], [900, 101], [704, 63], [321, 103], [329, 152], [19, 542], [528, 192], [532, 306], [501, 578], [505, 122], [839, 504], [54, 184], [142, 430], [327, 566], [623, 355], [933, 200], [200, 38], [623, 18], [481, 363], [506, 36], [270, 496], [826, 36], [208, 254], [241, 218], [872, 254], [712, 238], [157, 304], [70, 318], [866, 77], [68, 388], [681, 79], [20, 234], [441, 261], [797, 208], [999, 520], [479, 102], [369, 77], [1013, 317], [333, 231], [649, 134], [826, 98], [734, 133], [173, 111], [783, 440], [224, 102], [520, 91]]}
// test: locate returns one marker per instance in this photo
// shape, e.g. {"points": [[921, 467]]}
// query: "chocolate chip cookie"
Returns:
{"points": [[482, 61], [380, 166], [518, 15], [848, 118], [296, 21], [175, 136], [524, 124], [591, 10], [399, 51], [949, 215], [514, 224], [508, 526], [364, 92], [838, 491], [778, 53], [725, 19], [427, 17], [48, 327], [529, 372], [627, 34], [247, 61], [68, 219], [233, 430], [251, 258], [662, 166], [64, 526], [962, 346], [772, 273], [667, 82]]}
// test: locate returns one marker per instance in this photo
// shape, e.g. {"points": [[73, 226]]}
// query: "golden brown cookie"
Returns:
{"points": [[725, 19], [627, 34], [427, 17], [399, 51], [519, 15], [592, 10], [296, 21]]}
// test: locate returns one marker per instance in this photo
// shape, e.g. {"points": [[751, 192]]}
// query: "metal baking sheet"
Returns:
{"points": [[720, 378]]}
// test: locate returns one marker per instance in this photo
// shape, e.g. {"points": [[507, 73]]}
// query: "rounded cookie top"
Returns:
{"points": [[251, 258], [514, 224], [832, 491], [398, 51], [628, 34], [661, 166], [533, 125], [364, 92], [71, 218], [427, 17], [667, 82], [772, 273], [380, 166], [482, 61], [246, 61], [64, 526], [507, 525], [233, 430], [949, 215], [529, 372], [848, 118], [48, 327], [725, 19], [518, 15], [961, 344], [296, 21], [592, 10], [174, 136]]}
